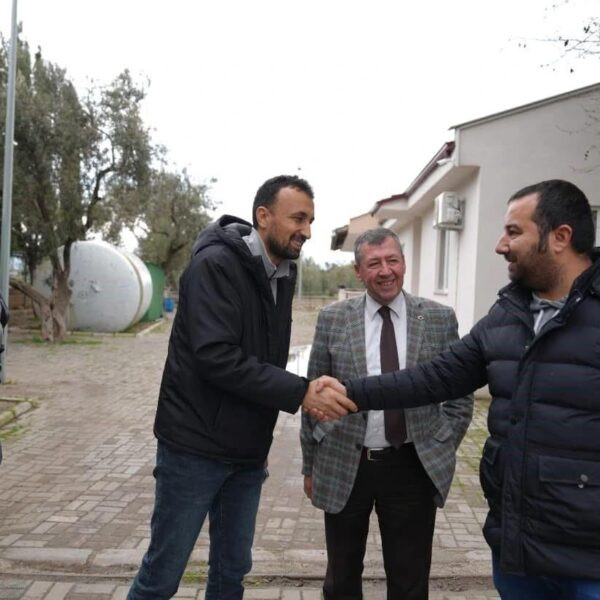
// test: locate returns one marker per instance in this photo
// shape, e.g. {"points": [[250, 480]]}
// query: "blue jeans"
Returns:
{"points": [[187, 488], [543, 587]]}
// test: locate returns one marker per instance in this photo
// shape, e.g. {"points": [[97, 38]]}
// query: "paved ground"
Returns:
{"points": [[76, 487]]}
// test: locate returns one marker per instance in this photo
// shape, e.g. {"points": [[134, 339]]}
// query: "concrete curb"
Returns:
{"points": [[295, 564], [193, 577], [150, 328]]}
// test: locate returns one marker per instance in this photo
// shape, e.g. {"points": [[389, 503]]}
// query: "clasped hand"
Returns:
{"points": [[326, 399]]}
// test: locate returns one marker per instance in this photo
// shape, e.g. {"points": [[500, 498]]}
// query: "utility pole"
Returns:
{"points": [[299, 296], [299, 263], [9, 134]]}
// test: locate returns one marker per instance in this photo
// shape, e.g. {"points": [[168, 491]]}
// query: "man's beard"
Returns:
{"points": [[537, 275], [281, 251]]}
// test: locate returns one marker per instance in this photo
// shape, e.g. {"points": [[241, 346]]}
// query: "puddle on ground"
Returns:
{"points": [[298, 359]]}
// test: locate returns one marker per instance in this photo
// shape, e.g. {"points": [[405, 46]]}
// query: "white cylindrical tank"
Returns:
{"points": [[111, 288]]}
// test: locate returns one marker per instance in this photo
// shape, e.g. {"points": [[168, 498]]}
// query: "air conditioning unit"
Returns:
{"points": [[449, 209]]}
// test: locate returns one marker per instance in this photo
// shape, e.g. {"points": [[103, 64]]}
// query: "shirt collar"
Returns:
{"points": [[372, 306], [538, 303], [257, 248]]}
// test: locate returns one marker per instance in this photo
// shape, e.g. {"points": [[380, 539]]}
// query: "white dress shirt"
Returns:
{"points": [[375, 434]]}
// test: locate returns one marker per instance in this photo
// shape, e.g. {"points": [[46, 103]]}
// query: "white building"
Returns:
{"points": [[488, 160]]}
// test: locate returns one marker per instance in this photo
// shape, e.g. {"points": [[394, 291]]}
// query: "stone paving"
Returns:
{"points": [[76, 487], [49, 590]]}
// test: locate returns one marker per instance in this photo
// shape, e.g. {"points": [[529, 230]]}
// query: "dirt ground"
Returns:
{"points": [[304, 319]]}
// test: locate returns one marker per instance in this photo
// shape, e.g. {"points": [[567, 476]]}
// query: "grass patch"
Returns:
{"points": [[12, 408], [12, 432], [36, 340], [6, 404], [473, 463], [196, 576], [199, 576]]}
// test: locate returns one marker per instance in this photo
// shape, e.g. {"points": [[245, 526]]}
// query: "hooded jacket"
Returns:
{"points": [[540, 470], [224, 380]]}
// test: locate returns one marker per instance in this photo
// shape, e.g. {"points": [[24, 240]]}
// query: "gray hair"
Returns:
{"points": [[374, 237]]}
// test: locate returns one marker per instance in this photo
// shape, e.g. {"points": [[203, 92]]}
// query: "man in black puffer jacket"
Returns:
{"points": [[223, 385], [538, 349]]}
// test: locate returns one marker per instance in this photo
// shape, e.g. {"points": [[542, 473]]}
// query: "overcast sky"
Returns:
{"points": [[356, 96]]}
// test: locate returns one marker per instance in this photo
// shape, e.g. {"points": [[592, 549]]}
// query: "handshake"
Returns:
{"points": [[326, 399]]}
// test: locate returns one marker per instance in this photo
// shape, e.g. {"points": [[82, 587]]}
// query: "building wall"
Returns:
{"points": [[410, 238], [427, 266], [547, 142], [466, 256], [494, 159], [462, 257]]}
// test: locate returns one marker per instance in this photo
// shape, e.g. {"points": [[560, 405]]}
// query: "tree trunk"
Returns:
{"points": [[61, 294], [53, 313], [42, 308]]}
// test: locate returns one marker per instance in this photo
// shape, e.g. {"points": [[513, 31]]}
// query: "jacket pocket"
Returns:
{"points": [[320, 430], [444, 431], [563, 505], [582, 473], [491, 471]]}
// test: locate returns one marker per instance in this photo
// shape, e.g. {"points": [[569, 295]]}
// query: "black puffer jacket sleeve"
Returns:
{"points": [[456, 372]]}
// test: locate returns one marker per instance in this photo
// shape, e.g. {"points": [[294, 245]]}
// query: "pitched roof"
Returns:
{"points": [[443, 153], [529, 106]]}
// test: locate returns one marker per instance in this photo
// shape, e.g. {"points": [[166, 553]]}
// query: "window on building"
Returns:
{"points": [[596, 216], [442, 260]]}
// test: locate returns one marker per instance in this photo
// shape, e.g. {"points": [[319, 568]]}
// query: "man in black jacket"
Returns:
{"points": [[538, 349], [223, 385]]}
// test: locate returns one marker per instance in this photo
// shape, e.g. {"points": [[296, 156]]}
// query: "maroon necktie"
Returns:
{"points": [[395, 425]]}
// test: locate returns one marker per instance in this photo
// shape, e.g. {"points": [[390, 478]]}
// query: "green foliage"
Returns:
{"points": [[325, 281], [83, 167], [173, 213], [49, 144], [71, 156]]}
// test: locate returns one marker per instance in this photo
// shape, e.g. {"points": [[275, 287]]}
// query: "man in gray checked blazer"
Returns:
{"points": [[401, 463]]}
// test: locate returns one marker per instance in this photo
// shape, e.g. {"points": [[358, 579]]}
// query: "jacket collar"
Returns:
{"points": [[257, 248]]}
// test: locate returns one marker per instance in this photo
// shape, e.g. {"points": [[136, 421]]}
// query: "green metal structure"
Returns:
{"points": [[155, 310]]}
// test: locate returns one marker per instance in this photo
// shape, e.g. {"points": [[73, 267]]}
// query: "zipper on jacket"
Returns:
{"points": [[558, 321]]}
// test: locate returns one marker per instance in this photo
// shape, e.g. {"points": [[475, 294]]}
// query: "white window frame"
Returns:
{"points": [[442, 261], [596, 214]]}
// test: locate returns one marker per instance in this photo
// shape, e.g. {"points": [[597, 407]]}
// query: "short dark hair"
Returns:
{"points": [[267, 192], [561, 203], [375, 237]]}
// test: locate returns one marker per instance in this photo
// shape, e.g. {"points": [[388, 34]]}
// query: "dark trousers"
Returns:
{"points": [[403, 494], [543, 587], [188, 487]]}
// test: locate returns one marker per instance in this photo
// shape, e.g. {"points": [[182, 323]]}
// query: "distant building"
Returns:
{"points": [[451, 215]]}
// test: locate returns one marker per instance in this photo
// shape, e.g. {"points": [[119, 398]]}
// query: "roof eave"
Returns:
{"points": [[528, 106], [443, 154]]}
